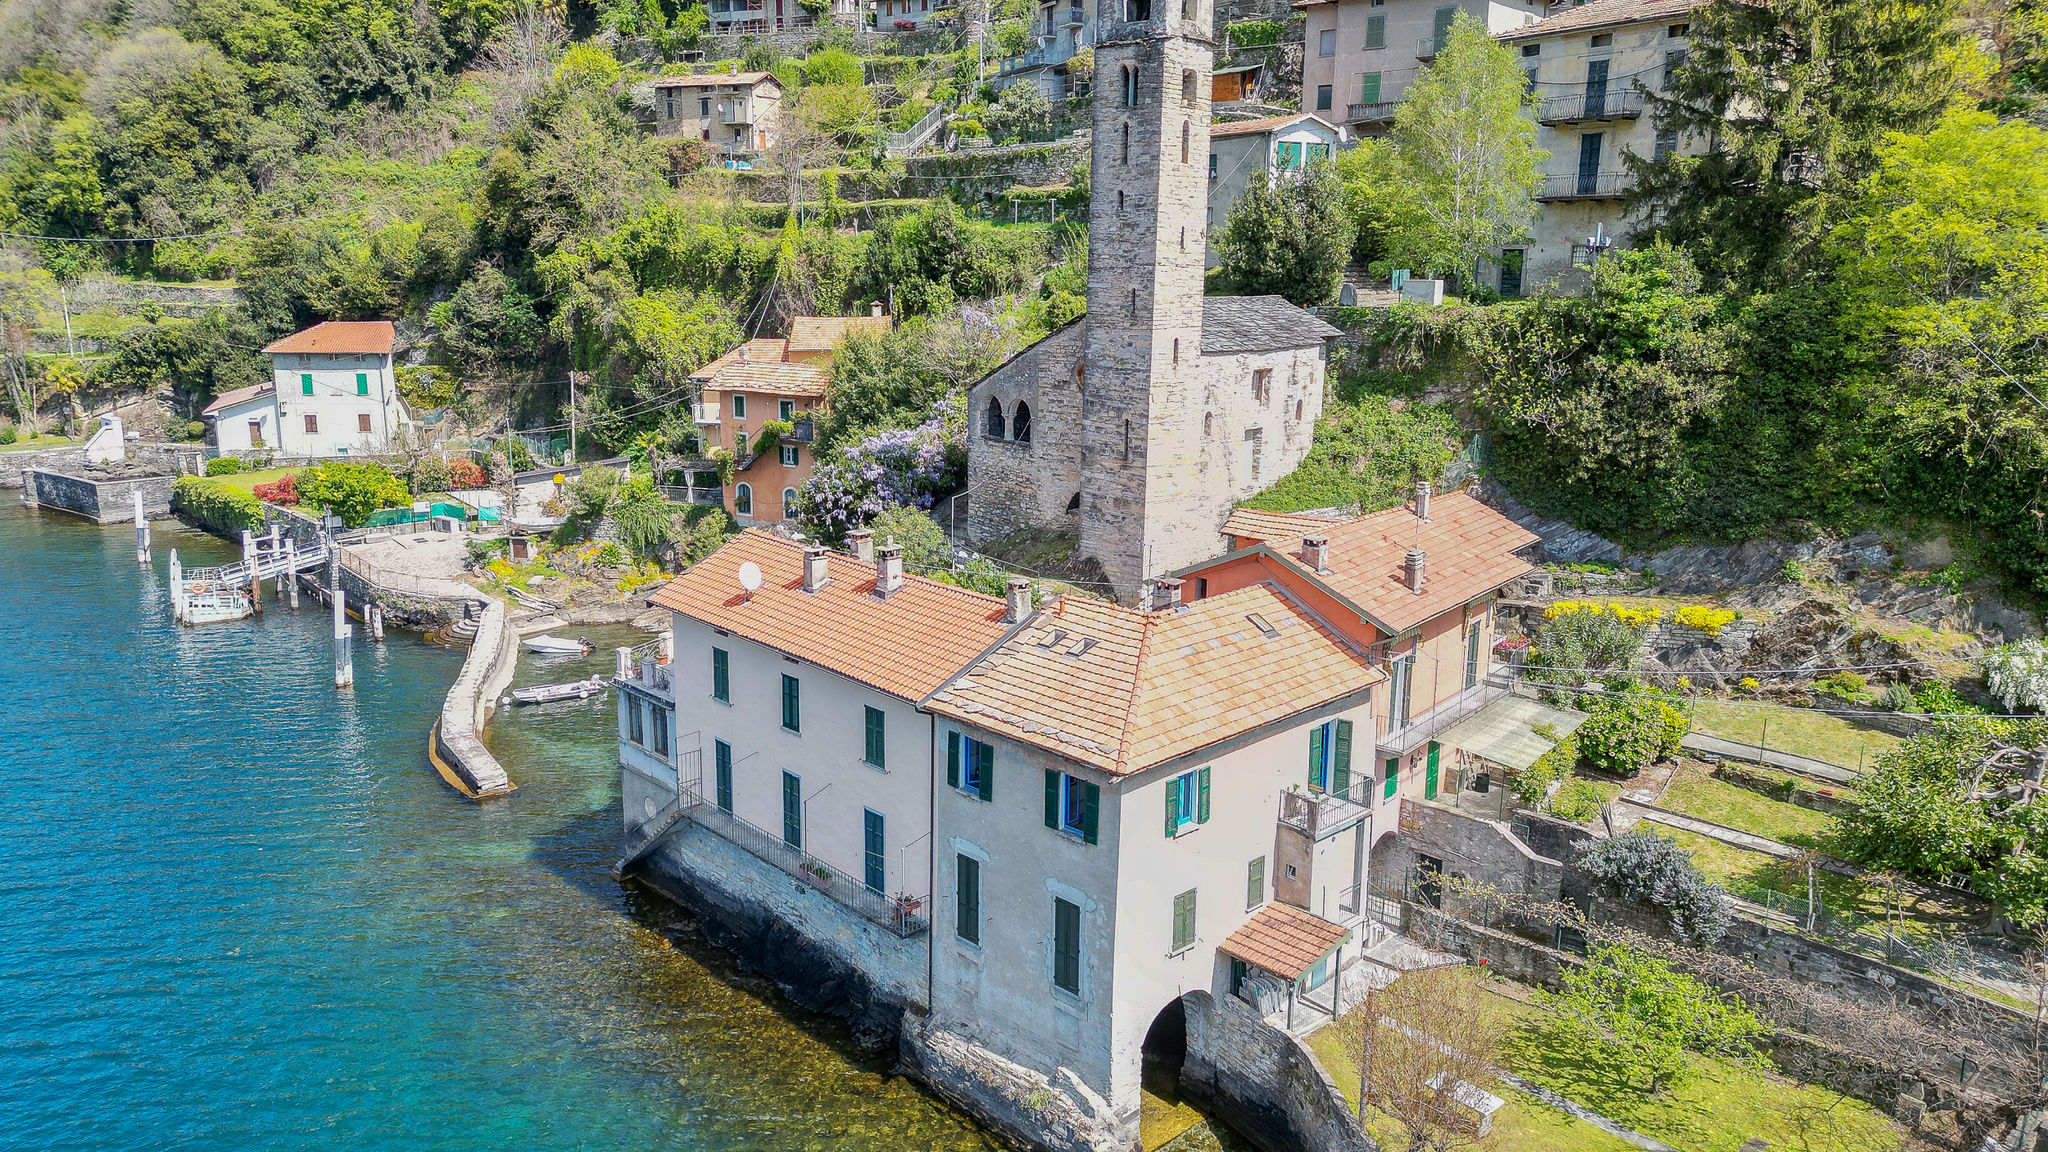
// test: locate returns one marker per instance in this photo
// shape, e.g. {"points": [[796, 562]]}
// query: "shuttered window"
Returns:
{"points": [[305, 384], [967, 898], [792, 714], [1369, 88], [1340, 761], [1318, 751], [1187, 801], [874, 873], [1066, 946], [1375, 31], [721, 758], [1255, 883], [721, 675], [971, 766], [793, 811], [1072, 805], [874, 734], [1184, 920], [362, 383]]}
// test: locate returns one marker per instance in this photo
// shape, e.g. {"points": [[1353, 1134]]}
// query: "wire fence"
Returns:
{"points": [[1948, 957]]}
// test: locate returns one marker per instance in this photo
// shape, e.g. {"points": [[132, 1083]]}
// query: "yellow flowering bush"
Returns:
{"points": [[1633, 617], [1706, 619]]}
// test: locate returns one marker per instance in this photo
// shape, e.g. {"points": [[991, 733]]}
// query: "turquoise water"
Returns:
{"points": [[237, 909]]}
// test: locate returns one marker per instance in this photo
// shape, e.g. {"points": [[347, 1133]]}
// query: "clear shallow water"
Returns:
{"points": [[238, 910]]}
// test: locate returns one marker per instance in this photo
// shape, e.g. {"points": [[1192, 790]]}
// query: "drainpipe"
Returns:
{"points": [[931, 849]]}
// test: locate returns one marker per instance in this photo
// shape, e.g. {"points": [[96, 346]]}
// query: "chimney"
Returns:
{"points": [[889, 569], [741, 352], [1415, 570], [732, 69], [816, 575], [1422, 501], [1019, 601], [1166, 594], [875, 308], [1315, 552], [861, 542], [1145, 594]]}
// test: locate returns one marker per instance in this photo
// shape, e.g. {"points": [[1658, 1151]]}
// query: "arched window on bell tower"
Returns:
{"points": [[1187, 84], [1126, 154], [1130, 87]]}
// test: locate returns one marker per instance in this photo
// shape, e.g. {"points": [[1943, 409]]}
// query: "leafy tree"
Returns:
{"points": [[1418, 1041], [352, 490], [1642, 866], [1796, 96], [925, 547], [891, 381], [1281, 239], [2018, 673], [645, 519], [1643, 1017], [833, 66], [1465, 156], [488, 325]]}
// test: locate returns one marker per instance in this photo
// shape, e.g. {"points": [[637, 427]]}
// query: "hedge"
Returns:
{"points": [[216, 505]]}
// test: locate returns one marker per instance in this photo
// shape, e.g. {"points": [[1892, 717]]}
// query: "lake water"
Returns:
{"points": [[238, 909]]}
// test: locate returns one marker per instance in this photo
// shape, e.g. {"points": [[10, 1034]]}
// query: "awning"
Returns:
{"points": [[1238, 69], [1284, 940], [1504, 733]]}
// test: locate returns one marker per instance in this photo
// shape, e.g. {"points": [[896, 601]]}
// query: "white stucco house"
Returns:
{"points": [[1238, 149], [332, 392]]}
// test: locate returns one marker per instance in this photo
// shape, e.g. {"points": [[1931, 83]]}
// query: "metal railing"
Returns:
{"points": [[679, 494], [914, 137], [1446, 715], [899, 913], [1587, 186], [1590, 106], [1378, 112]]}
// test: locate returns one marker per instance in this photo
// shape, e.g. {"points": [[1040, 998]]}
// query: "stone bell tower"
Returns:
{"points": [[1144, 505]]}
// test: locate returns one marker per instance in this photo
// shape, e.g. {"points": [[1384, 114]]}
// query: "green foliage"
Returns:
{"points": [[1280, 239], [1844, 683], [1641, 866], [217, 504], [224, 466], [429, 474], [926, 551], [1533, 783], [700, 537], [1577, 801], [1623, 737], [832, 66], [645, 520], [1575, 647], [1643, 1017], [1366, 454], [1254, 33], [351, 490], [426, 387], [896, 380], [8, 435]]}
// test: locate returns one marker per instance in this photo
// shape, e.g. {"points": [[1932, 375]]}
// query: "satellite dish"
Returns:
{"points": [[750, 577]]}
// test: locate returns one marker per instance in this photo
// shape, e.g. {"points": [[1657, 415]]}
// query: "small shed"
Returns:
{"points": [[1230, 85]]}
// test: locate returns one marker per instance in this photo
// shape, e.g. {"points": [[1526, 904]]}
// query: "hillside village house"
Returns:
{"points": [[1359, 56], [738, 114], [332, 392], [1059, 29], [772, 380], [738, 16], [1240, 148], [903, 15]]}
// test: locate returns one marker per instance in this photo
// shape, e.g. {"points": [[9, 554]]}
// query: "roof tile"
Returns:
{"points": [[331, 336], [1600, 14], [1284, 940]]}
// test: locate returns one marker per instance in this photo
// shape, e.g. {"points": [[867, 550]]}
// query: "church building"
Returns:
{"points": [[1138, 426]]}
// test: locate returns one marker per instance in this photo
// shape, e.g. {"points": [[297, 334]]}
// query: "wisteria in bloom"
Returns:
{"points": [[910, 466]]}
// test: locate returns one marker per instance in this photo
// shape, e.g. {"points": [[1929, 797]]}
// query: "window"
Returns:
{"points": [[1066, 946], [1440, 29], [1202, 582], [739, 407], [1673, 61], [1472, 632], [743, 500], [1603, 40], [875, 751], [1297, 408], [971, 766], [1667, 143], [874, 872], [1130, 92], [721, 759], [792, 718], [1318, 152], [1329, 758], [1326, 42], [992, 424], [793, 810], [1185, 135], [1589, 164], [1072, 805], [967, 898], [1322, 97], [721, 675], [1124, 158], [1403, 666], [1021, 426], [660, 729], [669, 104], [1288, 154], [1511, 272], [1187, 801], [1393, 776], [312, 422], [636, 728], [785, 409], [789, 503], [1212, 165], [703, 105], [362, 421], [787, 454], [362, 383], [1187, 86], [306, 384], [1532, 49], [1677, 31], [1255, 883], [1184, 921], [1369, 88], [1262, 385], [255, 433], [1375, 31]]}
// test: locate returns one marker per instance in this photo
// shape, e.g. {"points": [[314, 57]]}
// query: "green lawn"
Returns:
{"points": [[1715, 1108], [1800, 731], [1926, 914], [247, 481], [39, 443], [1695, 791]]}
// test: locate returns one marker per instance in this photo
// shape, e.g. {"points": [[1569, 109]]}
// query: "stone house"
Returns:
{"points": [[332, 392], [1359, 56], [1240, 148], [736, 114]]}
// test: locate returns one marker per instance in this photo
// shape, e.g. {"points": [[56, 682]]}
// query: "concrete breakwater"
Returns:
{"points": [[456, 745]]}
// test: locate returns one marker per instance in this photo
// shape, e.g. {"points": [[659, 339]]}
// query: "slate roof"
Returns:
{"points": [[330, 336], [1258, 324], [1284, 940], [1601, 14], [906, 645], [236, 396], [1469, 551], [1122, 691]]}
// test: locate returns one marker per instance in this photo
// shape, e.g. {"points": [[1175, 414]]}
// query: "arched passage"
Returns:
{"points": [[1166, 1049]]}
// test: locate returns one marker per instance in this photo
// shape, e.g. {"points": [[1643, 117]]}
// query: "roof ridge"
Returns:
{"points": [[1146, 622], [766, 534]]}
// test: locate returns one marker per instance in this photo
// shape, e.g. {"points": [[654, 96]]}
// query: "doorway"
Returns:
{"points": [[1429, 881]]}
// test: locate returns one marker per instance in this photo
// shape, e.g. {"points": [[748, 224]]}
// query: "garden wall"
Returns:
{"points": [[1263, 1082]]}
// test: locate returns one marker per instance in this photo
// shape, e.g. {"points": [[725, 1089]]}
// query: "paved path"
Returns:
{"points": [[1736, 750]]}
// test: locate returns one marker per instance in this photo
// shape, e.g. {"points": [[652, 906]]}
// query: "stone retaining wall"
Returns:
{"points": [[988, 172], [1028, 1108], [1263, 1082], [110, 501], [14, 465]]}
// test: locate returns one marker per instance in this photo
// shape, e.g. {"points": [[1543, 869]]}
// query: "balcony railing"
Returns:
{"points": [[1586, 106], [1445, 716], [1587, 186], [1324, 814], [1378, 112], [1430, 45], [803, 431], [901, 914]]}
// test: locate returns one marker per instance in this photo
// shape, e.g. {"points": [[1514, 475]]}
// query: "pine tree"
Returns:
{"points": [[1282, 237], [1793, 97]]}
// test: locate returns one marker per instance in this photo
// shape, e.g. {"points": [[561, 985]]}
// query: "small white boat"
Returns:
{"points": [[550, 693], [556, 646]]}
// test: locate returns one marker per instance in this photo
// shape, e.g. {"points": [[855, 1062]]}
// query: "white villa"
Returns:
{"points": [[332, 392]]}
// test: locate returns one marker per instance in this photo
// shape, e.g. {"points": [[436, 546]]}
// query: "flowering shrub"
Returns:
{"points": [[466, 473], [1622, 737], [2018, 674], [281, 491], [1633, 617], [908, 466], [1705, 619]]}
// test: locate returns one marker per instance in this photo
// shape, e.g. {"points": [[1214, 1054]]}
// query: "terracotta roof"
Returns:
{"points": [[1469, 551], [1124, 690], [710, 79], [1284, 940], [825, 333], [906, 645], [1601, 14], [1264, 124], [340, 336], [800, 380], [236, 396], [762, 349]]}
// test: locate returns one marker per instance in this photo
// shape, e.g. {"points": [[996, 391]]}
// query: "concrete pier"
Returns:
{"points": [[344, 658], [141, 529]]}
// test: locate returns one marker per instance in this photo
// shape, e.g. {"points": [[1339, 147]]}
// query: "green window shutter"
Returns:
{"points": [[1202, 801], [874, 733], [1184, 920], [1315, 758], [1369, 88], [953, 759], [1429, 772], [1393, 775], [721, 675], [1052, 799], [792, 811], [1340, 775], [1255, 883], [305, 384], [1375, 32], [792, 714], [362, 383], [967, 902], [985, 756], [1172, 806], [1091, 810], [1066, 945]]}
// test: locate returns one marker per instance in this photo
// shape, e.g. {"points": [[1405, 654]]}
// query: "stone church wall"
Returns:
{"points": [[1015, 485]]}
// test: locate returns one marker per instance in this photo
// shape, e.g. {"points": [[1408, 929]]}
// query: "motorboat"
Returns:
{"points": [[550, 693], [557, 646]]}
